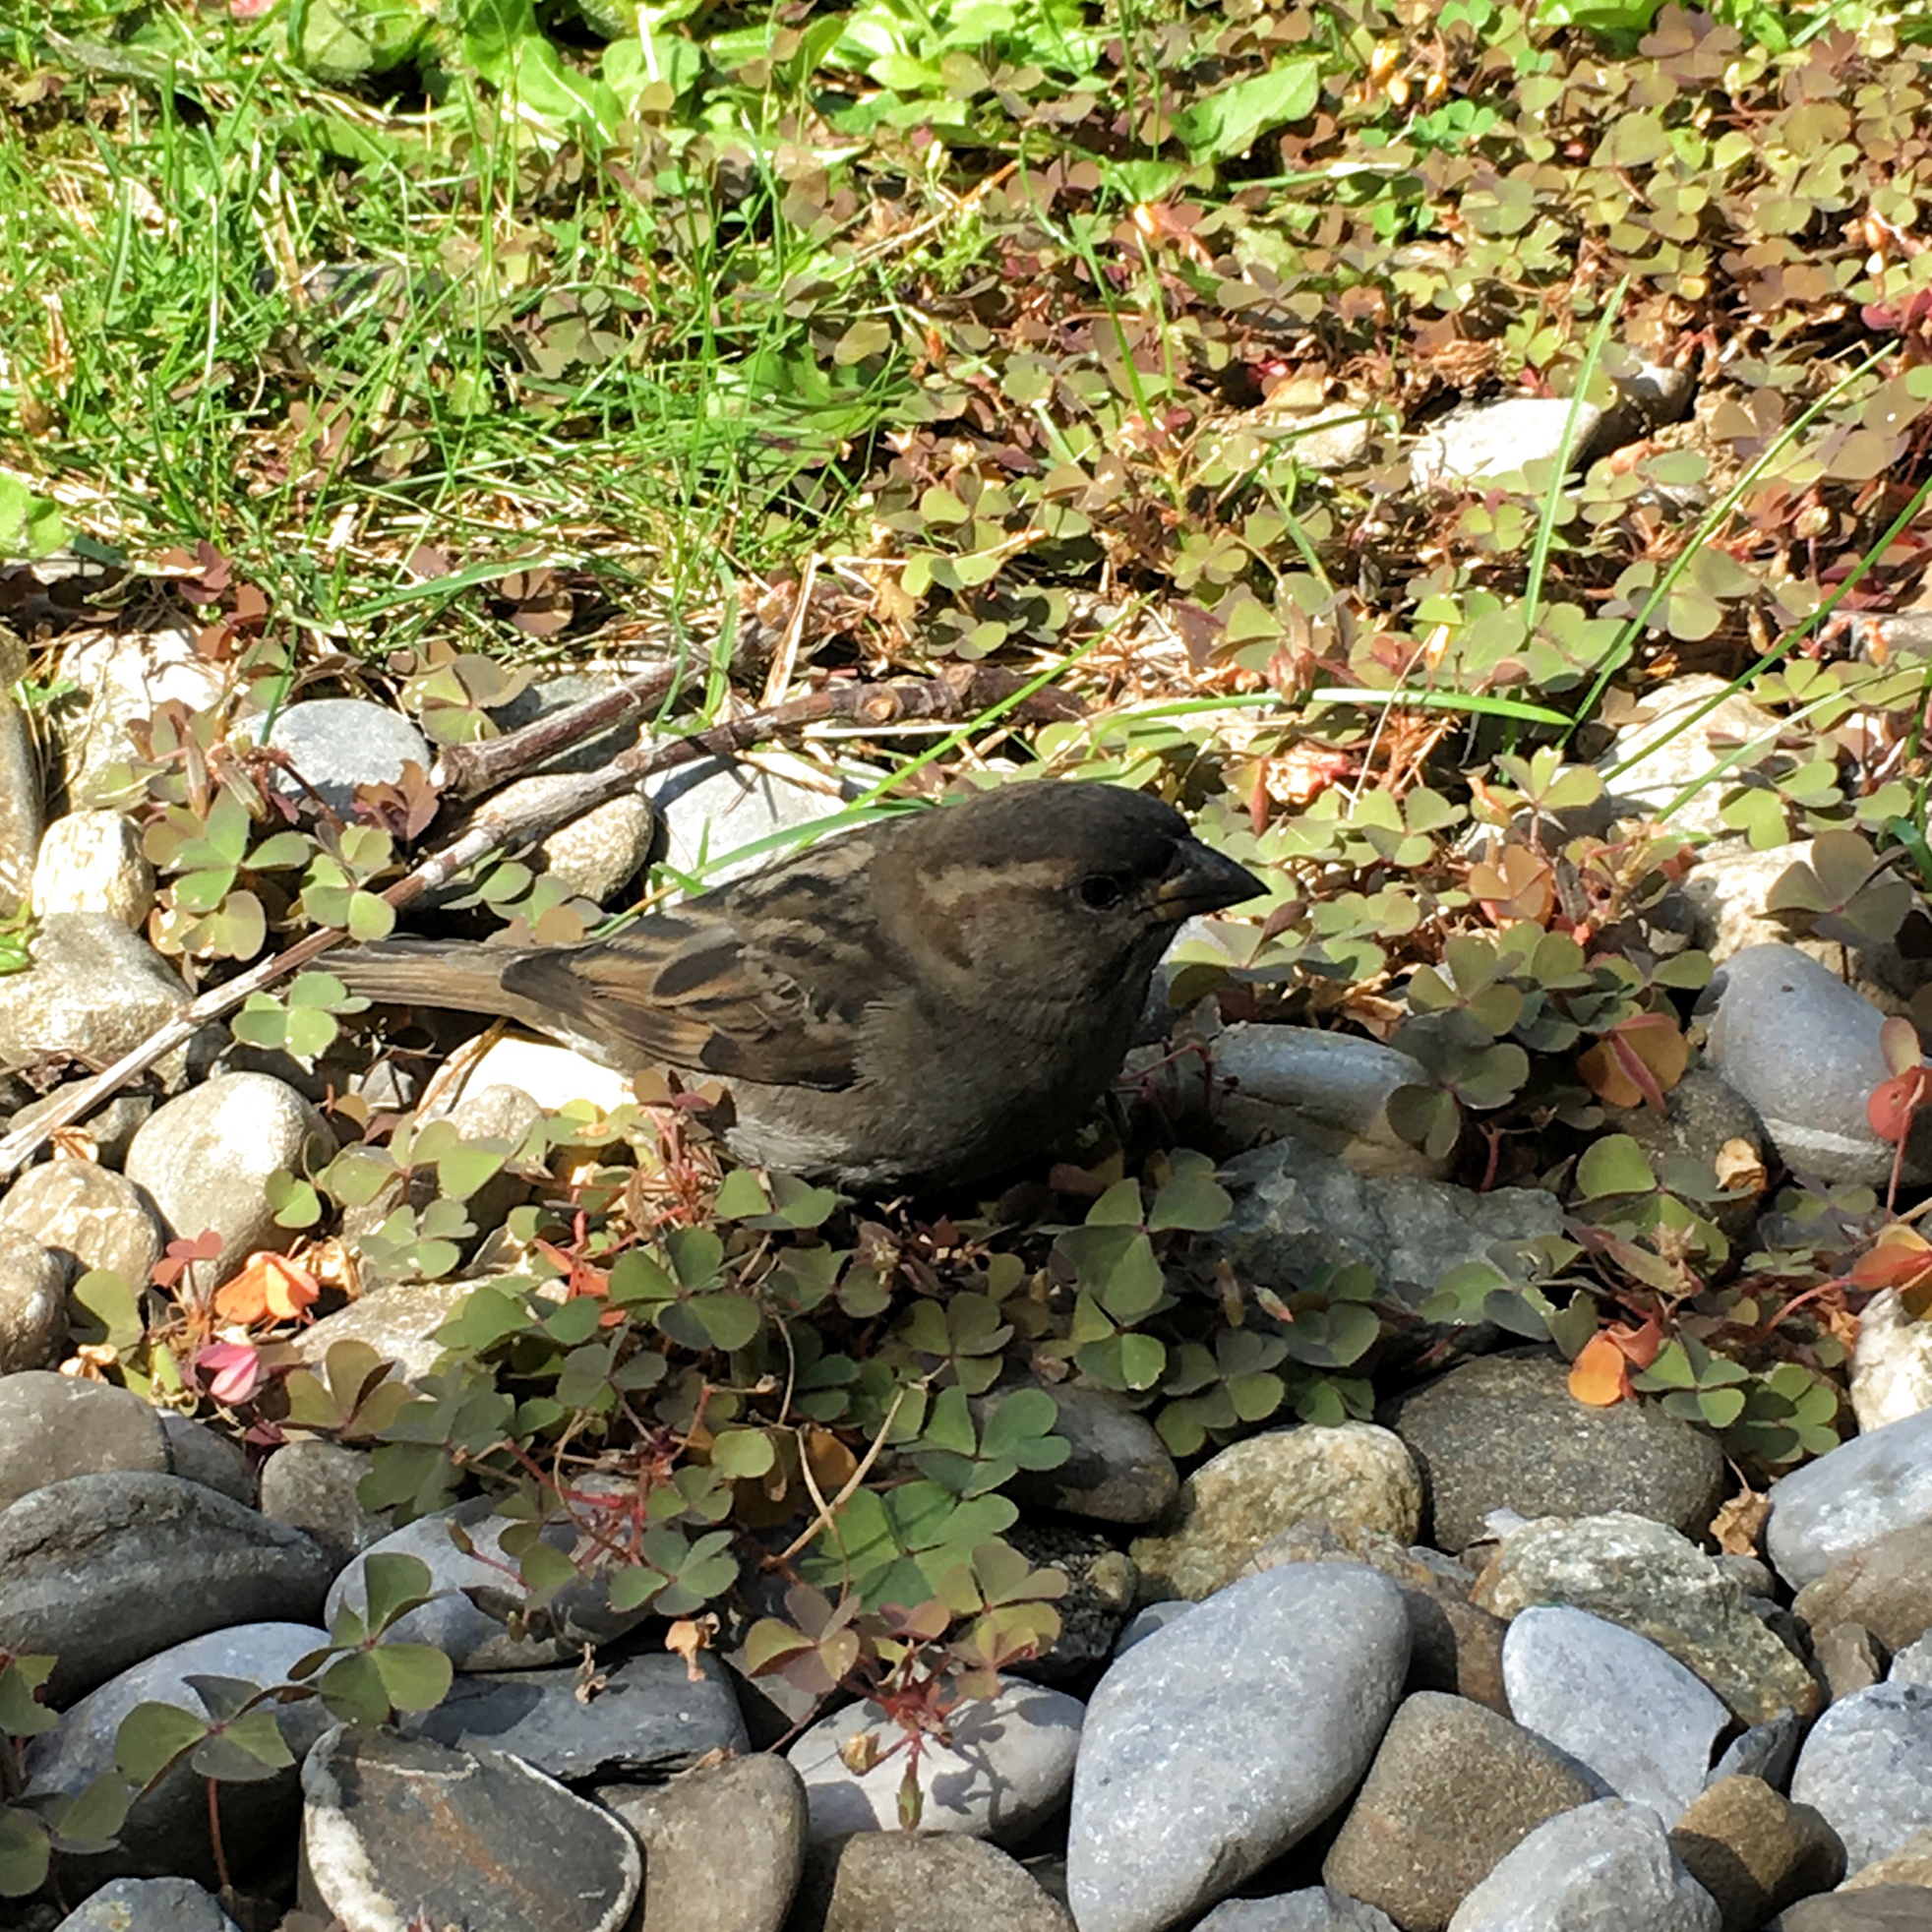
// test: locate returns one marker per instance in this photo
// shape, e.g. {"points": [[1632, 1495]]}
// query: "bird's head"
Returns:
{"points": [[1083, 883]]}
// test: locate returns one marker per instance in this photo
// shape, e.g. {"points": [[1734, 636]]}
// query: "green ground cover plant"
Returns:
{"points": [[421, 351]]}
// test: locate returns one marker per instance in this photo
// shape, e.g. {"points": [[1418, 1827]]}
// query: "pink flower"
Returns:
{"points": [[232, 1371]]}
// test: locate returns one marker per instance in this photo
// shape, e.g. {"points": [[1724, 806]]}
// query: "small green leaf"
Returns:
{"points": [[370, 918], [91, 1820], [353, 1691], [1226, 122], [152, 1736], [1119, 1207], [1614, 1164], [741, 1454], [395, 1583], [108, 1298], [413, 1677], [1021, 1427], [741, 1193], [730, 1321], [1192, 1199]]}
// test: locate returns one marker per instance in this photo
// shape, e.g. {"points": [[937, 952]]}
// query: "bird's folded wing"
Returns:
{"points": [[688, 989]]}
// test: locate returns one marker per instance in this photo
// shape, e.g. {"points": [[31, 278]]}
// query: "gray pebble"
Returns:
{"points": [[33, 1303], [95, 990], [1009, 1766], [206, 1160], [646, 1718], [1803, 1049], [724, 1844], [1504, 1431], [106, 1570], [1867, 1767], [311, 1486], [89, 1215], [339, 743], [462, 1837], [1320, 1908], [149, 1905], [1851, 1497], [166, 1830], [1626, 1711], [1217, 1743]]}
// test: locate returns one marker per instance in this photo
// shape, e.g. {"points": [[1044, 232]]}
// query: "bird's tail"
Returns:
{"points": [[463, 978]]}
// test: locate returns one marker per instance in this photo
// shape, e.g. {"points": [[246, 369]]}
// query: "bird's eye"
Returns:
{"points": [[1101, 890]]}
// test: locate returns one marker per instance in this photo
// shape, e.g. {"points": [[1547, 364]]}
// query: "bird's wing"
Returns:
{"points": [[779, 1004]]}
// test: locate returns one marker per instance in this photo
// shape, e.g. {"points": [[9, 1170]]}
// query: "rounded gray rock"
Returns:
{"points": [[197, 1454], [93, 862], [206, 1160], [1477, 442], [1119, 1472], [724, 1844], [95, 990], [1885, 1586], [1008, 1766], [1867, 1768], [1329, 1089], [166, 1830], [399, 1320], [1604, 1867], [651, 1717], [1221, 1740], [33, 1303], [1505, 1432], [1320, 1908], [1851, 1497], [111, 1128], [1355, 1475], [88, 1216], [106, 1570], [394, 1825], [311, 1486], [1614, 1702], [712, 808], [21, 803], [339, 743], [153, 1905], [909, 1882], [1803, 1049], [1645, 1577], [1299, 1214], [55, 1427]]}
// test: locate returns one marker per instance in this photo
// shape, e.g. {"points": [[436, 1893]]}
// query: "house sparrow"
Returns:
{"points": [[931, 996]]}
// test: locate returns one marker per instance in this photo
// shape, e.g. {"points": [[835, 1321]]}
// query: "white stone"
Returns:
{"points": [[1892, 1365], [1010, 1763], [206, 1160], [93, 862], [1330, 1089], [126, 676], [552, 1076]]}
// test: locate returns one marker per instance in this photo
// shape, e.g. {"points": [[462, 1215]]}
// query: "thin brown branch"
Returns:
{"points": [[463, 771], [467, 771]]}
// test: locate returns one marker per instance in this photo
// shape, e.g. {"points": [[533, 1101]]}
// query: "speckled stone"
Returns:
{"points": [[1236, 1501]]}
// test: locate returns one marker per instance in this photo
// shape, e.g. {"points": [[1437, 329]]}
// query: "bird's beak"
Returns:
{"points": [[1205, 881]]}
